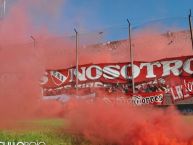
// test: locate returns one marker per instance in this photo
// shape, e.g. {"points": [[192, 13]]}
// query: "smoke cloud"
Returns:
{"points": [[122, 124], [22, 62]]}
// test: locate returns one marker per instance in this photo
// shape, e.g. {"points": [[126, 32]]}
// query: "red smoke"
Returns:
{"points": [[19, 69], [122, 124], [22, 66]]}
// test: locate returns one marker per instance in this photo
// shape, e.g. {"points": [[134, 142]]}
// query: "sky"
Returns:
{"points": [[91, 15], [99, 15]]}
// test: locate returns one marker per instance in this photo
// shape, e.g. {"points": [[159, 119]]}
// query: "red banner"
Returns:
{"points": [[182, 91], [95, 75], [170, 76], [154, 98]]}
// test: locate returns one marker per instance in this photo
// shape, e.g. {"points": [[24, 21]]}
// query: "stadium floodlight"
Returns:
{"points": [[34, 40], [3, 8], [190, 25], [77, 74], [131, 56]]}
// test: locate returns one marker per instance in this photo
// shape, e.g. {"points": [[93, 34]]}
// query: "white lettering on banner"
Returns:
{"points": [[177, 93], [188, 86], [167, 68], [98, 72], [139, 100], [136, 71], [150, 70], [111, 71], [124, 71], [187, 65], [183, 91], [141, 71], [81, 75]]}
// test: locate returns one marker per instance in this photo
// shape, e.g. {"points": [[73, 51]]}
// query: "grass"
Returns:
{"points": [[49, 137], [48, 131]]}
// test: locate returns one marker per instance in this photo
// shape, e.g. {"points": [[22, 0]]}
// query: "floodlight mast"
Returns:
{"points": [[77, 45], [190, 25], [4, 7], [34, 40], [131, 56]]}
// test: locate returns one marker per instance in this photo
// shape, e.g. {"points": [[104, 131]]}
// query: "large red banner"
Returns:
{"points": [[119, 72], [171, 75]]}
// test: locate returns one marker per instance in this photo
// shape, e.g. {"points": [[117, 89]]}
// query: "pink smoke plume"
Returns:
{"points": [[22, 65], [122, 124]]}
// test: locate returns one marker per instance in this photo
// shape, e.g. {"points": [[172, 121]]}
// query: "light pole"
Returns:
{"points": [[77, 45], [190, 25], [34, 40], [131, 55]]}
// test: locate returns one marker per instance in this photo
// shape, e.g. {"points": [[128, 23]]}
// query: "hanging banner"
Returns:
{"points": [[138, 99], [153, 76], [154, 98], [120, 72], [182, 91]]}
